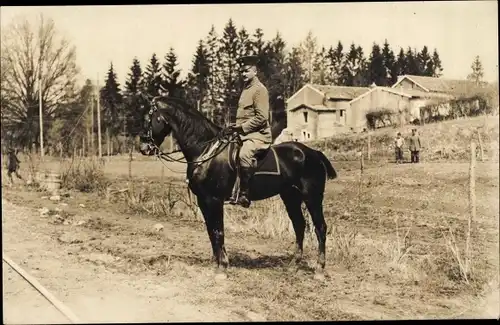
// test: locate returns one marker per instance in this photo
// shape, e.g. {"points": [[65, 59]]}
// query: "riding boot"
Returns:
{"points": [[244, 197]]}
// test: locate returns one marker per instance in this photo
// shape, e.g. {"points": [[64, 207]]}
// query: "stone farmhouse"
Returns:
{"points": [[320, 111]]}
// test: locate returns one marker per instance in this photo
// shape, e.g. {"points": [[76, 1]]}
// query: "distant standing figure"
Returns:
{"points": [[13, 165], [414, 146], [398, 144]]}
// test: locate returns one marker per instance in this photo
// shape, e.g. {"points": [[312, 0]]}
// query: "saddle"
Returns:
{"points": [[266, 164], [266, 160]]}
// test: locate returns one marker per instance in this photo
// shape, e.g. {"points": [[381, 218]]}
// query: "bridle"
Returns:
{"points": [[226, 140]]}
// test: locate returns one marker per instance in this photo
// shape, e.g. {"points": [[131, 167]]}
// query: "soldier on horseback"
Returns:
{"points": [[252, 124]]}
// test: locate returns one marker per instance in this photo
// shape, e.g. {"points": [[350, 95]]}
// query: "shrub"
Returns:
{"points": [[382, 116], [83, 174]]}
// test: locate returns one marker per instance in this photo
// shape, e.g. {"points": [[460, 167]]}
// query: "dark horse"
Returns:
{"points": [[211, 173]]}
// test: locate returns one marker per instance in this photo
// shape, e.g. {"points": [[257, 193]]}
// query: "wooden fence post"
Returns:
{"points": [[369, 147], [362, 161], [162, 174], [472, 204], [481, 151], [130, 164]]}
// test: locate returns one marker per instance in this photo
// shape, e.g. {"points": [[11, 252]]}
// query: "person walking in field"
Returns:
{"points": [[13, 165], [398, 145], [414, 146]]}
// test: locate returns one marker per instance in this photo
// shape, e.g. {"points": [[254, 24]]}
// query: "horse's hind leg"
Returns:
{"points": [[293, 201], [314, 204]]}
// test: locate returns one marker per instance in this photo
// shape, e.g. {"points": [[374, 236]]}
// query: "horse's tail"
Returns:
{"points": [[330, 171]]}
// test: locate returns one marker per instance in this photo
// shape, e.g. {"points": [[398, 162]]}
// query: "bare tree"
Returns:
{"points": [[308, 53], [30, 52]]}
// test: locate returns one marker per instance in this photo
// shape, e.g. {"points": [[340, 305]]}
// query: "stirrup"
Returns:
{"points": [[244, 202]]}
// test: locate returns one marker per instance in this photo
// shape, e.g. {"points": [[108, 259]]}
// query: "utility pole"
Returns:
{"points": [[92, 126], [40, 109], [40, 105], [98, 117], [124, 130]]}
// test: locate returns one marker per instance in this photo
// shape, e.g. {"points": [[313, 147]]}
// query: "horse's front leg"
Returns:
{"points": [[212, 210]]}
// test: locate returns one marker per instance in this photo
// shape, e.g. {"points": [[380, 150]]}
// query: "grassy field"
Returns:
{"points": [[440, 141], [392, 241]]}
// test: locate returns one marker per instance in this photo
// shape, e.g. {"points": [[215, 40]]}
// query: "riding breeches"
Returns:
{"points": [[248, 150]]}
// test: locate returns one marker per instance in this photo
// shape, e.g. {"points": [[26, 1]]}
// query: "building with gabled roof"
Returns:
{"points": [[432, 85], [318, 111]]}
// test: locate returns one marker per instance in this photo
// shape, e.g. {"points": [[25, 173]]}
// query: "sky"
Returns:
{"points": [[104, 34]]}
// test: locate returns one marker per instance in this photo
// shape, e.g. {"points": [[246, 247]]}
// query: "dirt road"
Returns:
{"points": [[92, 291]]}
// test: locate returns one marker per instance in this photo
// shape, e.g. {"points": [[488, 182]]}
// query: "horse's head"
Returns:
{"points": [[156, 128]]}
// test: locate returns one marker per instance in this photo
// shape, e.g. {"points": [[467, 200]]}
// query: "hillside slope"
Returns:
{"points": [[449, 140]]}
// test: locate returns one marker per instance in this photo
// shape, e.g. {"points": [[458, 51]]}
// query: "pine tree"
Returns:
{"points": [[320, 67], [361, 78], [294, 72], [354, 69], [171, 76], [376, 69], [335, 62], [230, 75], [111, 101], [133, 85], [198, 78], [436, 62], [389, 64], [245, 45], [477, 71], [276, 83], [258, 42], [152, 76], [215, 86], [411, 62], [424, 62], [400, 68]]}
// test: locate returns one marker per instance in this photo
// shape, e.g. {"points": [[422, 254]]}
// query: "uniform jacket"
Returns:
{"points": [[414, 143], [253, 112]]}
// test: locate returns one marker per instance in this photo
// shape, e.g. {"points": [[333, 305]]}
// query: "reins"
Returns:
{"points": [[233, 138], [166, 155]]}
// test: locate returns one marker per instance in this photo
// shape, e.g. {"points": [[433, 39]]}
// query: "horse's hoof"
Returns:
{"points": [[319, 276]]}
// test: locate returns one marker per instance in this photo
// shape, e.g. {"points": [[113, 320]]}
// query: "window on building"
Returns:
{"points": [[305, 117], [308, 135], [341, 113]]}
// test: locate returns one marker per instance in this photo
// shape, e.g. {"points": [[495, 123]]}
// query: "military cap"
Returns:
{"points": [[248, 60]]}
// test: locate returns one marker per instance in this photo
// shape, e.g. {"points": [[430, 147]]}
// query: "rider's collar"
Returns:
{"points": [[251, 83]]}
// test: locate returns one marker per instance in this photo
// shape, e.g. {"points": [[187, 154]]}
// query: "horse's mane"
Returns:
{"points": [[196, 127]]}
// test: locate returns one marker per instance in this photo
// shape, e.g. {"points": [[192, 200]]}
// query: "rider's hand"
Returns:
{"points": [[233, 129]]}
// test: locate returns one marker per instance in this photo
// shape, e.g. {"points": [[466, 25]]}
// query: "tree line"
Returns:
{"points": [[212, 84], [214, 76]]}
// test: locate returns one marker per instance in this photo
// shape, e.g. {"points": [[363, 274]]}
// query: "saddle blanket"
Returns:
{"points": [[267, 163]]}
